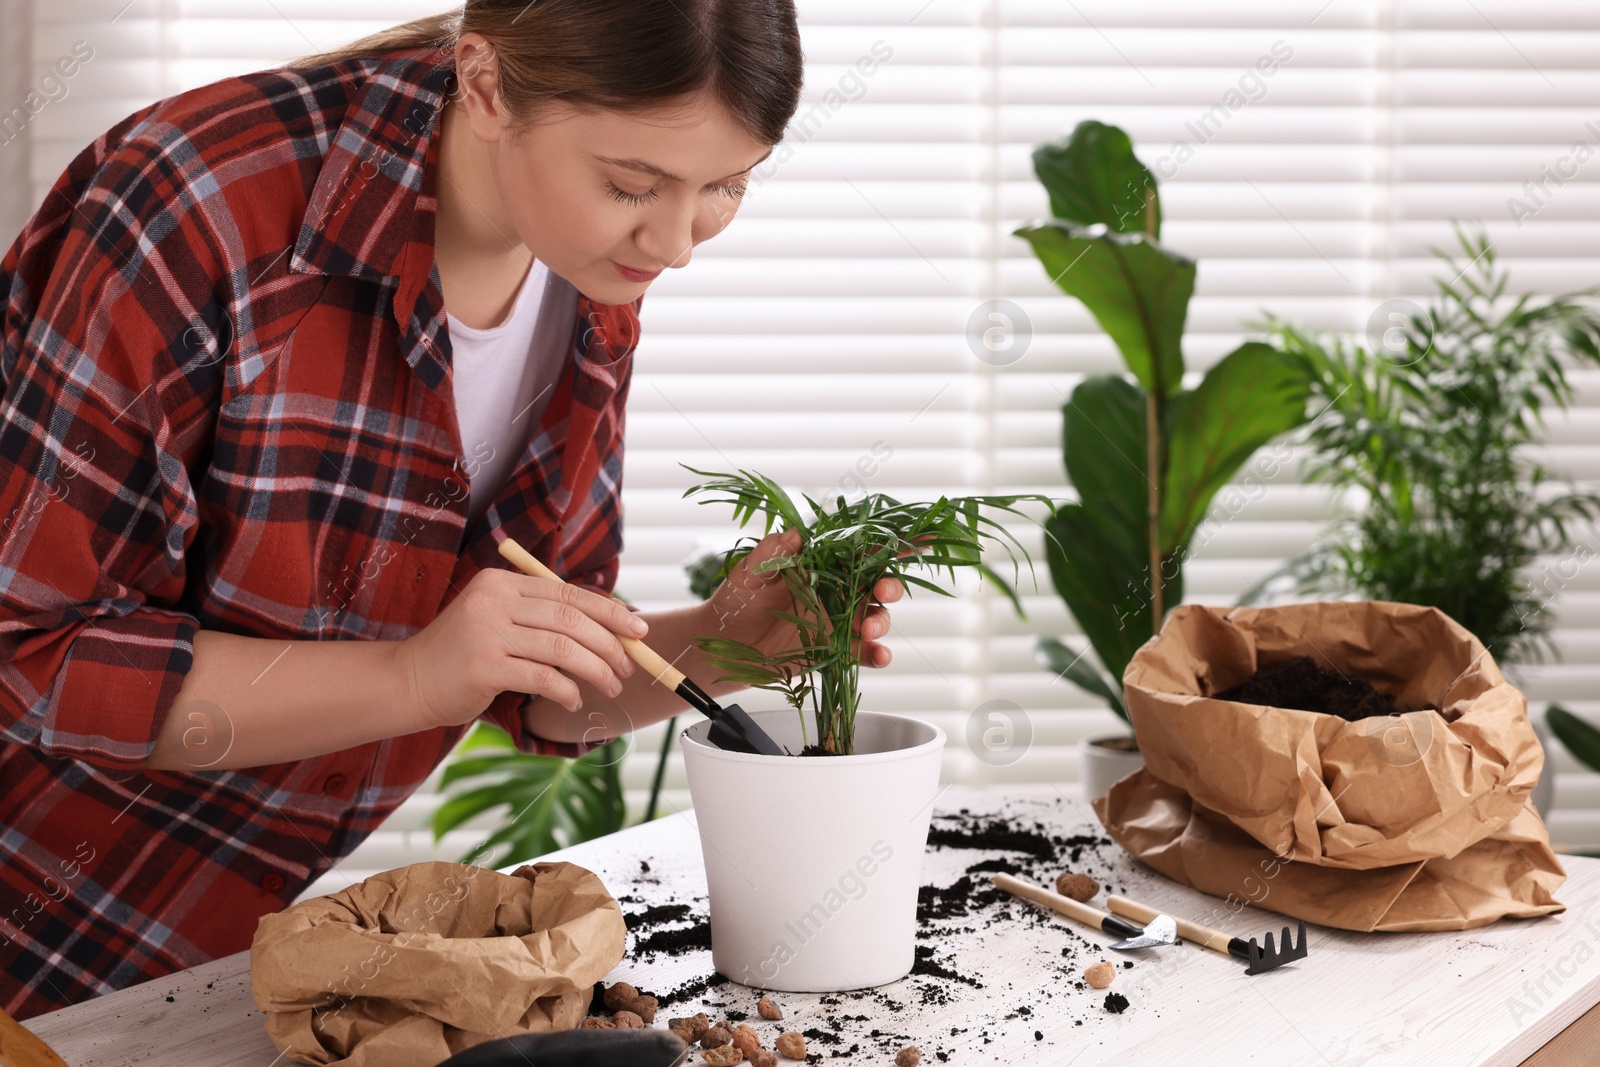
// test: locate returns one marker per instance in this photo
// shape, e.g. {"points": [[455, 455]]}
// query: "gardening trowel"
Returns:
{"points": [[732, 728], [1161, 930]]}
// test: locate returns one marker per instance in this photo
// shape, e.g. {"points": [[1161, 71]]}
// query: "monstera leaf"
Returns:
{"points": [[550, 801]]}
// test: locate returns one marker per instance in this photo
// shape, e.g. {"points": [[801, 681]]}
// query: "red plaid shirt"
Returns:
{"points": [[227, 405]]}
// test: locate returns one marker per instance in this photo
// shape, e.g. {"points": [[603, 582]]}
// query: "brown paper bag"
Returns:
{"points": [[1420, 822], [416, 964]]}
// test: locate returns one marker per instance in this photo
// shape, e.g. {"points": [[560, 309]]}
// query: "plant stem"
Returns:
{"points": [[661, 770], [1152, 415], [1155, 406]]}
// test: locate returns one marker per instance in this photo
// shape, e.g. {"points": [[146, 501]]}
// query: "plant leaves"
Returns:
{"points": [[1581, 739], [1105, 584], [1137, 291], [551, 801], [1077, 668], [1251, 396], [1093, 176], [1103, 431]]}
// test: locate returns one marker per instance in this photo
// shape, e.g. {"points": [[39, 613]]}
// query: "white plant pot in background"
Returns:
{"points": [[1103, 767], [813, 862]]}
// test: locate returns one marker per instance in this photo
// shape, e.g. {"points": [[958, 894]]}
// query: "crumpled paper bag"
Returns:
{"points": [[416, 964], [1420, 822]]}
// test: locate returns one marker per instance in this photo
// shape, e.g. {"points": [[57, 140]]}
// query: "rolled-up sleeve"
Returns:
{"points": [[109, 325]]}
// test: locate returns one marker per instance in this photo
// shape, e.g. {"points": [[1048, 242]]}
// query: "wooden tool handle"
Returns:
{"points": [[637, 650], [1055, 901], [20, 1047], [1200, 935]]}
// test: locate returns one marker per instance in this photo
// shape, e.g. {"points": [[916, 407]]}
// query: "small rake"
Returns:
{"points": [[1260, 959]]}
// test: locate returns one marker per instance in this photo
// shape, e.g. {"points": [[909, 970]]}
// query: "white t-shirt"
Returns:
{"points": [[504, 377]]}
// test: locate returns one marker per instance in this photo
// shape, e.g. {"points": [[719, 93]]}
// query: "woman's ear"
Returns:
{"points": [[478, 86]]}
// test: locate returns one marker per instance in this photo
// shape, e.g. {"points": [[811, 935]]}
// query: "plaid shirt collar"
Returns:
{"points": [[371, 215], [371, 211]]}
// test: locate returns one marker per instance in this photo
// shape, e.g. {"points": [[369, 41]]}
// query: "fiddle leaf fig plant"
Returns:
{"points": [[1145, 454], [845, 550]]}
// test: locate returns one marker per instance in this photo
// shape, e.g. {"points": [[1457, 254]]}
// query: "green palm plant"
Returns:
{"points": [[845, 550], [1432, 432], [1145, 454]]}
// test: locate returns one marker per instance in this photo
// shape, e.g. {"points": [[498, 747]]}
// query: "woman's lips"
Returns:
{"points": [[634, 275]]}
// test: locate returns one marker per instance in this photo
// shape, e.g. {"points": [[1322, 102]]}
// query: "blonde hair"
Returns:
{"points": [[620, 54]]}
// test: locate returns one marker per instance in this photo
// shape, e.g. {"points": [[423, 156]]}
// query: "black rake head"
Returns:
{"points": [[1270, 958]]}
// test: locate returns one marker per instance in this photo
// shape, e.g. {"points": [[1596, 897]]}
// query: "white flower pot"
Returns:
{"points": [[1103, 766], [813, 862]]}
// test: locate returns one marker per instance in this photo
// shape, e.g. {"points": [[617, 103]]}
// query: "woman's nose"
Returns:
{"points": [[670, 239]]}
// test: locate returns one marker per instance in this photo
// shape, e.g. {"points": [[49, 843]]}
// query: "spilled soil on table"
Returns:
{"points": [[1027, 849]]}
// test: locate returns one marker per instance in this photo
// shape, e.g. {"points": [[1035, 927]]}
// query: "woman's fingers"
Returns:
{"points": [[594, 644], [567, 655], [871, 624], [610, 612]]}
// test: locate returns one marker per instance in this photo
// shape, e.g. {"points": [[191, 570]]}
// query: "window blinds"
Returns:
{"points": [[841, 333]]}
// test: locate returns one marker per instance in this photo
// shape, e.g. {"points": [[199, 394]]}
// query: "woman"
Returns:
{"points": [[274, 393]]}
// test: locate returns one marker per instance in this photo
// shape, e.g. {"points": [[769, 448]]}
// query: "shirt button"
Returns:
{"points": [[421, 573], [332, 784], [272, 883]]}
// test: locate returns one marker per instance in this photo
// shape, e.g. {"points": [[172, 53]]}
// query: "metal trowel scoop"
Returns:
{"points": [[1161, 930]]}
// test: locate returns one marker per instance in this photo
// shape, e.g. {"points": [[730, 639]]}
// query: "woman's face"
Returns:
{"points": [[590, 193]]}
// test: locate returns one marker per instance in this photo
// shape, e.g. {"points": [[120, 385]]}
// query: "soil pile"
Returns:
{"points": [[1300, 684]]}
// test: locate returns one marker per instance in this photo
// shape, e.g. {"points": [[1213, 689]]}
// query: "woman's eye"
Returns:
{"points": [[736, 190], [629, 198]]}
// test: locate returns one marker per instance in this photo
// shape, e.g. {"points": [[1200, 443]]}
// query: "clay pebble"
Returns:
{"points": [[1079, 887]]}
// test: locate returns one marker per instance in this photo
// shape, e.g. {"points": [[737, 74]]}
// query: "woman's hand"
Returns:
{"points": [[740, 606], [512, 631]]}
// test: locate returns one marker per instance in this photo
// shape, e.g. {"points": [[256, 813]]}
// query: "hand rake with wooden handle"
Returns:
{"points": [[1260, 959], [732, 728]]}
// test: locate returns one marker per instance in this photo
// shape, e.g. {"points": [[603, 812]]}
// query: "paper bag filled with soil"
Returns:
{"points": [[1419, 821], [416, 964]]}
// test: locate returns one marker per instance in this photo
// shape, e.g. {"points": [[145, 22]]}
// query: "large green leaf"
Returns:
{"points": [[1137, 291], [550, 802], [1581, 739], [1093, 176], [1102, 432], [1251, 396], [1105, 582], [1076, 667]]}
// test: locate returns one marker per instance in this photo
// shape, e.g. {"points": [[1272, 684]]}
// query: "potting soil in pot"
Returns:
{"points": [[958, 905], [1300, 684]]}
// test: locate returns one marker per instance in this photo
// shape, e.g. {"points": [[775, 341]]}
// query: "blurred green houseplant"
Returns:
{"points": [[1145, 454], [1430, 427]]}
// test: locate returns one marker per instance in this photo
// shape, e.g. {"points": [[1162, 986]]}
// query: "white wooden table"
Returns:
{"points": [[1489, 996]]}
